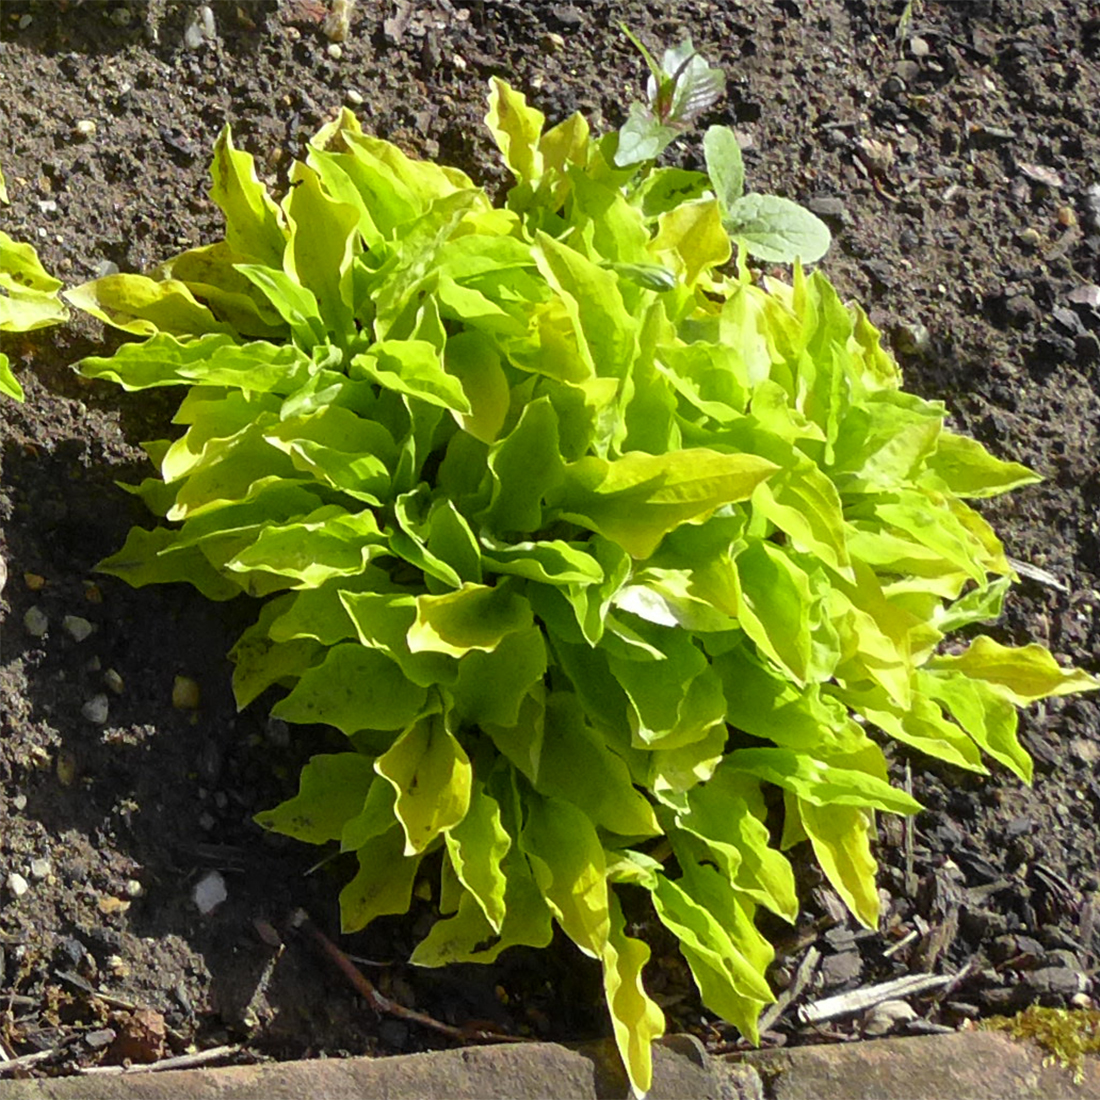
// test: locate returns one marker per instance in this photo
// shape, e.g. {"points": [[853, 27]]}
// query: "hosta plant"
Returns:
{"points": [[614, 565], [28, 297]]}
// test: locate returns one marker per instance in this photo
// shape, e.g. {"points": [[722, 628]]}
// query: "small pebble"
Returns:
{"points": [[109, 905], [1030, 237], [335, 51], [25, 21], [209, 893], [1087, 295], [19, 802], [85, 128], [96, 709], [1066, 216], [101, 1037], [67, 767], [918, 47], [77, 628], [459, 62], [47, 206], [912, 339], [134, 888], [552, 41], [1092, 202], [121, 17], [17, 884], [114, 681], [36, 622], [185, 693], [353, 97], [40, 868], [886, 1016]]}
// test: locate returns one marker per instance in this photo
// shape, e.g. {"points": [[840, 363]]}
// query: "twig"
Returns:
{"points": [[904, 942], [1034, 573], [907, 827], [799, 982], [383, 1005], [180, 1061], [972, 966], [25, 1060], [845, 1004]]}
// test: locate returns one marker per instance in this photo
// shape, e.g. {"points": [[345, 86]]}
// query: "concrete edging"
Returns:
{"points": [[962, 1066]]}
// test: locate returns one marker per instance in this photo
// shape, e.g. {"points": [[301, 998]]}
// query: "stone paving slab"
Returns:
{"points": [[965, 1065], [961, 1066]]}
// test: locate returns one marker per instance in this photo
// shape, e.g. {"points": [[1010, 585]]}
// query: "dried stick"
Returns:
{"points": [[383, 1005], [799, 982], [844, 1004], [180, 1061], [25, 1060]]}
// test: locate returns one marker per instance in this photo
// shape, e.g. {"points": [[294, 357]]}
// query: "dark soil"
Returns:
{"points": [[954, 151]]}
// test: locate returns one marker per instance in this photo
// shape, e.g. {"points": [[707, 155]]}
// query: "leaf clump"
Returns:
{"points": [[598, 553]]}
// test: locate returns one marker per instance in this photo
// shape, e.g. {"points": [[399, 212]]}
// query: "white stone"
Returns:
{"points": [[96, 709], [77, 628], [17, 884], [40, 868], [36, 622], [209, 893]]}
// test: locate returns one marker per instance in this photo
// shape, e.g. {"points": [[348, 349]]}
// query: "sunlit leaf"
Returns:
{"points": [[432, 776]]}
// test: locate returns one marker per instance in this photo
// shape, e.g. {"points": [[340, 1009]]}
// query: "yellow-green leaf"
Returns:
{"points": [[143, 306], [9, 384], [964, 467], [691, 239], [354, 688], [469, 937], [516, 128], [323, 234], [636, 1020], [472, 359], [432, 776], [1021, 674], [984, 712], [477, 846], [383, 885], [729, 983], [28, 294], [637, 499], [254, 225], [841, 839], [570, 868], [475, 616], [331, 791]]}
